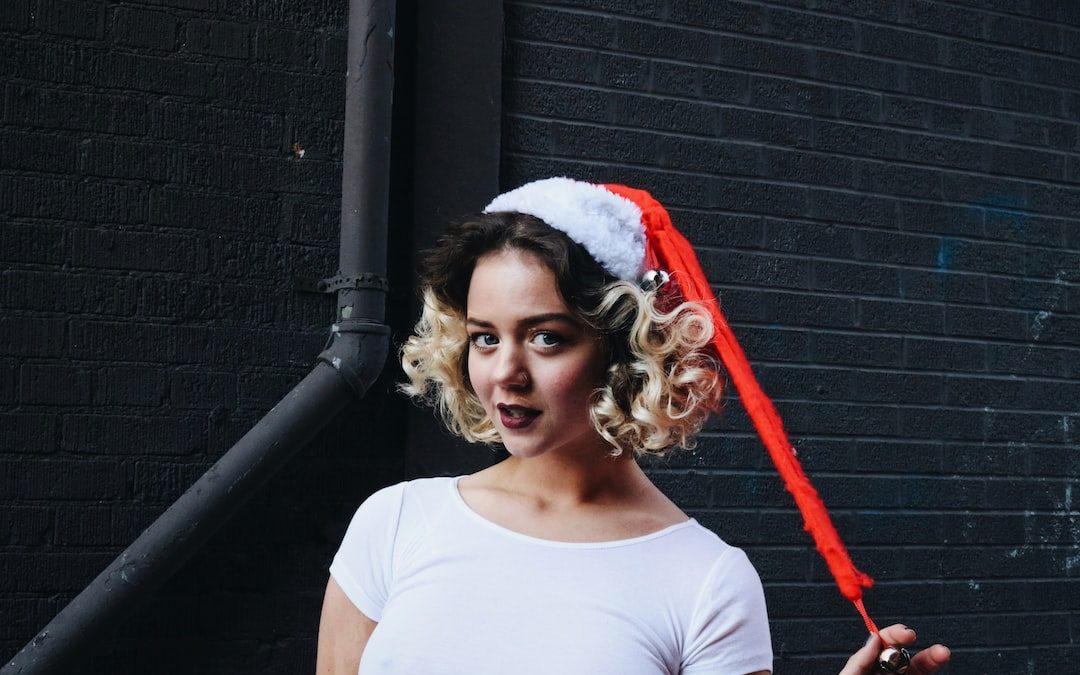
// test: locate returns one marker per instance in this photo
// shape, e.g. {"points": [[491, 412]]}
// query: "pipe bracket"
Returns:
{"points": [[343, 282]]}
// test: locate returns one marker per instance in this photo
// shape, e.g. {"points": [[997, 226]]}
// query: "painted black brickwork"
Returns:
{"points": [[885, 196], [167, 168], [883, 192]]}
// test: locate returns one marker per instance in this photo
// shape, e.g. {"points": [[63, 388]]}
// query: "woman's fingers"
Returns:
{"points": [[864, 661], [861, 661], [897, 634], [930, 659]]}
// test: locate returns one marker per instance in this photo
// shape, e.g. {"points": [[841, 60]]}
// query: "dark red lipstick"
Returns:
{"points": [[516, 416]]}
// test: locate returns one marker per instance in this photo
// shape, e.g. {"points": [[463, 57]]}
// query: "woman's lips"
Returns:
{"points": [[516, 417]]}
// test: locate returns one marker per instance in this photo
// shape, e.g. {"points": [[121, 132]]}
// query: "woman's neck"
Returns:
{"points": [[567, 481]]}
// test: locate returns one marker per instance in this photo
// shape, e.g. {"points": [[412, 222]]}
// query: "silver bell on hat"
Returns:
{"points": [[894, 660], [653, 279]]}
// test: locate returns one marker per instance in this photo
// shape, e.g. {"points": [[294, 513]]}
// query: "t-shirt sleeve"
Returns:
{"points": [[729, 634], [363, 565]]}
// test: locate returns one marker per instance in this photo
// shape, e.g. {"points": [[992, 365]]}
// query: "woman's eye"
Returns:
{"points": [[547, 339], [483, 339]]}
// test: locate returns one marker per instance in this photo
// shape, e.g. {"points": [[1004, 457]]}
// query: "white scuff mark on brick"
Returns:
{"points": [[974, 585], [298, 151], [336, 362]]}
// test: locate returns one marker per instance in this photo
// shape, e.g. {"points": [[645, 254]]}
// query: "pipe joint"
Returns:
{"points": [[357, 351]]}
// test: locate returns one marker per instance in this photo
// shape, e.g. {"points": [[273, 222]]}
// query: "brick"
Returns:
{"points": [[742, 17], [751, 125], [86, 200], [27, 433], [67, 480], [27, 337], [560, 27], [38, 107], [859, 71], [180, 299], [774, 344], [55, 385], [1013, 30], [199, 389], [942, 285], [657, 40], [146, 28], [31, 242], [140, 343], [572, 64], [659, 76], [810, 238], [1026, 293], [946, 355], [1025, 98], [803, 167], [856, 140], [903, 317], [192, 209], [936, 424], [118, 434], [985, 322], [291, 48], [65, 292], [139, 251], [218, 38], [15, 15], [723, 85], [25, 526], [946, 19], [101, 525], [71, 18], [900, 44], [130, 386], [763, 57], [929, 217], [989, 59], [898, 180], [28, 151], [159, 481], [854, 278], [858, 106], [759, 270], [791, 26], [856, 349], [849, 207], [1032, 359], [153, 74]]}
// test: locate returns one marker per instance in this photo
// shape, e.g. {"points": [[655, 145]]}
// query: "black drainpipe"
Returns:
{"points": [[344, 371]]}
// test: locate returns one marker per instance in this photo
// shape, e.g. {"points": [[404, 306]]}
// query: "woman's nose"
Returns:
{"points": [[511, 371]]}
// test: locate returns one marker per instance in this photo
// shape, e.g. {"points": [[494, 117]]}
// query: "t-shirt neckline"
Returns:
{"points": [[505, 531]]}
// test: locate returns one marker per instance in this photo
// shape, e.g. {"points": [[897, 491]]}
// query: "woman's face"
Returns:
{"points": [[532, 363]]}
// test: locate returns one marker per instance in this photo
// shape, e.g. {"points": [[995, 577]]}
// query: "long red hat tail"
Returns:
{"points": [[667, 249]]}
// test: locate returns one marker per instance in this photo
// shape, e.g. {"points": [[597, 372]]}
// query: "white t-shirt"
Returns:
{"points": [[454, 593]]}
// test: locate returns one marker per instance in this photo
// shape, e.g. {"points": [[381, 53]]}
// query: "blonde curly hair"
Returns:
{"points": [[662, 378]]}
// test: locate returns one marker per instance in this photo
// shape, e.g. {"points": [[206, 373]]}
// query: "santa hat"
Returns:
{"points": [[631, 235]]}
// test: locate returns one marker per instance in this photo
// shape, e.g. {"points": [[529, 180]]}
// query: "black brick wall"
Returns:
{"points": [[167, 167], [883, 193], [885, 196]]}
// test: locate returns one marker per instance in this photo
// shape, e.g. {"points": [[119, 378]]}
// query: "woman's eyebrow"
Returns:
{"points": [[529, 321]]}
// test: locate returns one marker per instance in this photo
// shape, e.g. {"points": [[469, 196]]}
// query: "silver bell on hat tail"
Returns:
{"points": [[894, 660]]}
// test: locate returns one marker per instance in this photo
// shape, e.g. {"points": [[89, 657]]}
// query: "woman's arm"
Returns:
{"points": [[343, 633], [925, 662]]}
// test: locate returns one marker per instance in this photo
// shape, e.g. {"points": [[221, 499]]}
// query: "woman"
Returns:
{"points": [[563, 558]]}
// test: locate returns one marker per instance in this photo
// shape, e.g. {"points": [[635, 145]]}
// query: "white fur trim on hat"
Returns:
{"points": [[606, 224]]}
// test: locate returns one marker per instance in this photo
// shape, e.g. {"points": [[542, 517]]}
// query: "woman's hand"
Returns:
{"points": [[864, 661]]}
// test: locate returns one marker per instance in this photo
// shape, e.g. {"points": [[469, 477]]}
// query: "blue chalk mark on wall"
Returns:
{"points": [[945, 252]]}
